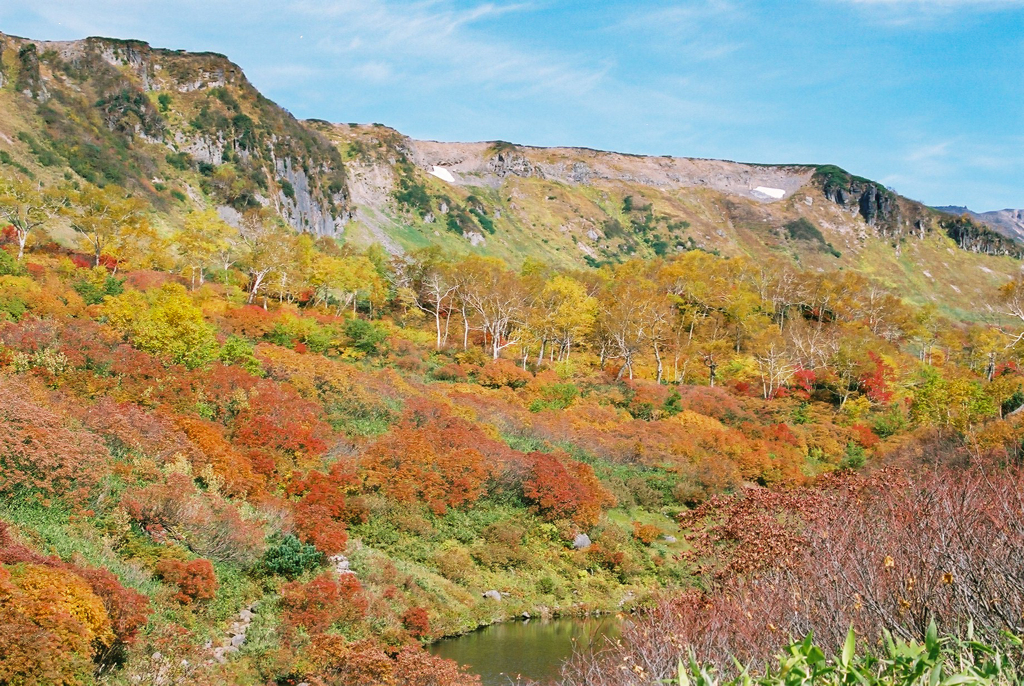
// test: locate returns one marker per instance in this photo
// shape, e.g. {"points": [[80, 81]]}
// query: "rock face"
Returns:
{"points": [[876, 204]]}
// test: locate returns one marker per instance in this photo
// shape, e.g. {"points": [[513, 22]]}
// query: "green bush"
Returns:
{"points": [[181, 161], [289, 557], [8, 265], [239, 352], [556, 396], [94, 294], [287, 188], [803, 230], [365, 336]]}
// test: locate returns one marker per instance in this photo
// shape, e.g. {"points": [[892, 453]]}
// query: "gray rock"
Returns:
{"points": [[238, 641], [492, 595], [340, 563], [245, 615], [668, 539], [581, 542]]}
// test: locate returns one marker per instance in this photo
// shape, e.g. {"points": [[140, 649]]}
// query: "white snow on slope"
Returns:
{"points": [[445, 175], [776, 193]]}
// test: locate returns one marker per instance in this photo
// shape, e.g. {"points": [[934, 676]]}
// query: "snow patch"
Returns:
{"points": [[776, 193], [443, 174]]}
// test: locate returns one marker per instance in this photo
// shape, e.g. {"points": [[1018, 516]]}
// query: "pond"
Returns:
{"points": [[533, 649]]}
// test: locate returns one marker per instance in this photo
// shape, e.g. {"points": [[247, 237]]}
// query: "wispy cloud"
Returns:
{"points": [[925, 13], [439, 41]]}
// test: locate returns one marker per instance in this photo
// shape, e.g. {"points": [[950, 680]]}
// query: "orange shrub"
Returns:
{"points": [[502, 372], [50, 625], [434, 461], [195, 580], [645, 533], [127, 609], [561, 488]]}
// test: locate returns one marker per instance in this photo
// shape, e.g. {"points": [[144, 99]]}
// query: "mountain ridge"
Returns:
{"points": [[188, 130]]}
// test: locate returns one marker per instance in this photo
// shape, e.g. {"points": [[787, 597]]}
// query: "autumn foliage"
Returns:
{"points": [[453, 423], [561, 488], [322, 602], [196, 580], [431, 458]]}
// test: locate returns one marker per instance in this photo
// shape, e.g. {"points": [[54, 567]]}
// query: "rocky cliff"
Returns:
{"points": [[161, 121]]}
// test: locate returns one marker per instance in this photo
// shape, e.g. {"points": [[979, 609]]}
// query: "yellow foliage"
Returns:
{"points": [[65, 592], [165, 323]]}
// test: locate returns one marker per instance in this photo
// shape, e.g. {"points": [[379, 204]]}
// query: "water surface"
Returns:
{"points": [[533, 649]]}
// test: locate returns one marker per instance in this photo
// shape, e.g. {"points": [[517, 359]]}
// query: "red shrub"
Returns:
{"points": [[561, 488], [320, 512], [322, 602], [416, 622], [276, 422], [864, 436], [195, 580], [877, 383], [128, 609]]}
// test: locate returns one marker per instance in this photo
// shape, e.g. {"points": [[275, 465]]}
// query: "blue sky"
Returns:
{"points": [[926, 96]]}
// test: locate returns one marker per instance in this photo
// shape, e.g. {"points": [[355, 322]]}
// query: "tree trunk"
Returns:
{"points": [[657, 354]]}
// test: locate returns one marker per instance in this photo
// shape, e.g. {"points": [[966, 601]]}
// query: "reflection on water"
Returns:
{"points": [[534, 649]]}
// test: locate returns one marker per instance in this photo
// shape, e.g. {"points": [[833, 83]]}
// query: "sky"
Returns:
{"points": [[925, 96]]}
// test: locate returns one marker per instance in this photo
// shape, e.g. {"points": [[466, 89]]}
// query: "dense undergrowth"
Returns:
{"points": [[197, 424]]}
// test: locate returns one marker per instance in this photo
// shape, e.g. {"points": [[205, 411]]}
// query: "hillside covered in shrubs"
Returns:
{"points": [[351, 448]]}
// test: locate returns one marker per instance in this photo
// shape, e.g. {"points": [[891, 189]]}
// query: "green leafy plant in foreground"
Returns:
{"points": [[938, 661]]}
